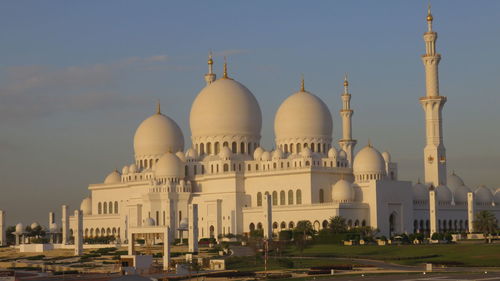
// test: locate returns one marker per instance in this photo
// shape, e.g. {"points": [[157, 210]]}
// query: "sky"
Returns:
{"points": [[78, 77]]}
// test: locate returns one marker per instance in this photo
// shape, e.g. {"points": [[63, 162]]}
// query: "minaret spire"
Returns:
{"points": [[158, 107], [433, 103], [347, 143], [224, 75], [210, 76], [302, 84]]}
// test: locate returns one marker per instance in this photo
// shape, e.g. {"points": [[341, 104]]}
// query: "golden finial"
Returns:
{"points": [[225, 68], [158, 107], [346, 83], [302, 84], [210, 60], [429, 14]]}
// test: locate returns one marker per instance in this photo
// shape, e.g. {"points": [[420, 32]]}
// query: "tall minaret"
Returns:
{"points": [[347, 143], [210, 76], [432, 103]]}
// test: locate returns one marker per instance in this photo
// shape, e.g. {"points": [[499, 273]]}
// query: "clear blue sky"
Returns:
{"points": [[77, 77]]}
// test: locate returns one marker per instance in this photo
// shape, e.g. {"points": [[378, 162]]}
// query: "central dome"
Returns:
{"points": [[303, 119], [369, 162], [225, 107]]}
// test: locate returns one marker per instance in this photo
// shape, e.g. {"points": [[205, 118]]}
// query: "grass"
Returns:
{"points": [[449, 254], [274, 263]]}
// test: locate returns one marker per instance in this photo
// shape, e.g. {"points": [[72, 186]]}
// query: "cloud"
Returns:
{"points": [[35, 91]]}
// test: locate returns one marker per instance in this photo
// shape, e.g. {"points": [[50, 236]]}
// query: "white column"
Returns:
{"points": [[166, 248], [268, 216], [78, 232], [433, 212], [193, 228], [2, 228], [65, 224], [470, 211]]}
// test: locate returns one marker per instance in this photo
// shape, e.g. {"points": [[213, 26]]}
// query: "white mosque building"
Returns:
{"points": [[228, 174]]}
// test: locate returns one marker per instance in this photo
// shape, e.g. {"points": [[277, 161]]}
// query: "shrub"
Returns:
{"points": [[285, 235], [287, 263]]}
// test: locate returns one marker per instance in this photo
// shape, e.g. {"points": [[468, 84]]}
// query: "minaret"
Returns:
{"points": [[210, 76], [347, 143], [432, 103]]}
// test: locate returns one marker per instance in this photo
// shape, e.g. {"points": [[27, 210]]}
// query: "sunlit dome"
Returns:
{"points": [[483, 195], [342, 191], [225, 107], [169, 166], [86, 206], [113, 177], [332, 153], [157, 135], [369, 161]]}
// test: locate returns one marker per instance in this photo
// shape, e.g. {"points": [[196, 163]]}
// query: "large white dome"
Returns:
{"points": [[157, 135], [86, 206], [303, 117], [444, 194], [369, 161], [483, 195], [420, 192], [454, 181], [169, 166], [225, 107], [343, 191]]}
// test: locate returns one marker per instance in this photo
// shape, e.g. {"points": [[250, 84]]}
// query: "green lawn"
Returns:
{"points": [[450, 254], [284, 263]]}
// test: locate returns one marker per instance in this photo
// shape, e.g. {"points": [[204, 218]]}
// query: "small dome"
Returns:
{"points": [[149, 222], [19, 228], [277, 154], [257, 153], [306, 152], [303, 115], [454, 181], [191, 154], [113, 177], [169, 166], [332, 153], [157, 135], [444, 194], [497, 197], [387, 156], [225, 107], [342, 191], [460, 193], [342, 155], [181, 156], [35, 225], [53, 227], [125, 170], [183, 225], [225, 153], [132, 168], [420, 192], [369, 161], [265, 156], [86, 206], [483, 195]]}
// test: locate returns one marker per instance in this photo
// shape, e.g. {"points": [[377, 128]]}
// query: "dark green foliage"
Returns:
{"points": [[285, 235], [283, 262]]}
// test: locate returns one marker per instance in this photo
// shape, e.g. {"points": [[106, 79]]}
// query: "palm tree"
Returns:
{"points": [[485, 222], [301, 232], [337, 224]]}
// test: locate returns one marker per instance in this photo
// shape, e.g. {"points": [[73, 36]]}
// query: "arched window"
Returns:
{"points": [[259, 226], [290, 197], [321, 196], [225, 144], [282, 198], [209, 148], [291, 148], [212, 231], [110, 204], [252, 227], [299, 197], [286, 148], [324, 224], [217, 147], [234, 147], [259, 199], [312, 147], [307, 164], [105, 208], [99, 208], [275, 225], [283, 225], [291, 225], [242, 148], [186, 170], [363, 223], [356, 223], [275, 198], [226, 167]]}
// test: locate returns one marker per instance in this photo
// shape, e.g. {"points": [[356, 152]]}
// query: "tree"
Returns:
{"points": [[337, 224], [11, 239], [301, 232], [485, 222]]}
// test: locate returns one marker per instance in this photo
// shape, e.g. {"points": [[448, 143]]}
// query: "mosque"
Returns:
{"points": [[229, 175]]}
